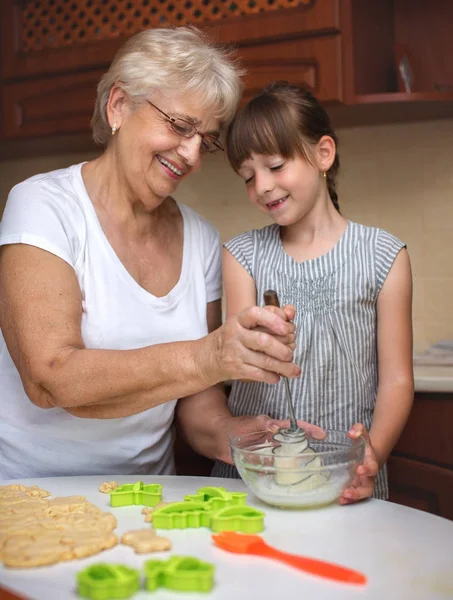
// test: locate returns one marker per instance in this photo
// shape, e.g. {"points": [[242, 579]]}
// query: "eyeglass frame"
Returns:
{"points": [[171, 120]]}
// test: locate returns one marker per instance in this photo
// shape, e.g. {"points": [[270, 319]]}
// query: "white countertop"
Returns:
{"points": [[405, 553], [433, 378]]}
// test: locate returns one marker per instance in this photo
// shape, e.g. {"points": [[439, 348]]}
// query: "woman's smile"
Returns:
{"points": [[174, 171]]}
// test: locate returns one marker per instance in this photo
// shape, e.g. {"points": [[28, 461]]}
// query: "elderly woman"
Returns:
{"points": [[110, 289]]}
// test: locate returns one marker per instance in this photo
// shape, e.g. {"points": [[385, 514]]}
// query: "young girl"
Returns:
{"points": [[351, 285]]}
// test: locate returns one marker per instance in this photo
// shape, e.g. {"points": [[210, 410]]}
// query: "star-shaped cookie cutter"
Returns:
{"points": [[136, 493]]}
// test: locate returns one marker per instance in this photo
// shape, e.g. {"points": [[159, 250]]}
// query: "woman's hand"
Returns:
{"points": [[253, 345], [289, 312], [231, 427], [363, 484]]}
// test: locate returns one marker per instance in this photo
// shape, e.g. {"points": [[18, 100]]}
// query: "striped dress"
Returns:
{"points": [[335, 297]]}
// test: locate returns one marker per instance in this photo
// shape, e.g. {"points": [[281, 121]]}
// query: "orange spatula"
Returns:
{"points": [[254, 544]]}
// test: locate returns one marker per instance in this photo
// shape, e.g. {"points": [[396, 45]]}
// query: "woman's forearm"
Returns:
{"points": [[201, 418], [114, 383], [393, 406], [43, 336]]}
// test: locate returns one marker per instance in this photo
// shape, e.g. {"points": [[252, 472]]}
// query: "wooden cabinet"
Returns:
{"points": [[308, 61], [50, 105], [421, 465], [391, 37], [53, 52], [55, 36]]}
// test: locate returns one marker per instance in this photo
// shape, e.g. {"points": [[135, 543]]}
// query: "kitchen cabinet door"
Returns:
{"points": [[421, 485], [49, 106], [313, 62], [421, 464]]}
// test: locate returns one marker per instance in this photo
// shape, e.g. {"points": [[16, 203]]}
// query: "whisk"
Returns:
{"points": [[293, 434]]}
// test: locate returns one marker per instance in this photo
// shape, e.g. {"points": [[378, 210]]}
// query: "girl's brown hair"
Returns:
{"points": [[283, 119]]}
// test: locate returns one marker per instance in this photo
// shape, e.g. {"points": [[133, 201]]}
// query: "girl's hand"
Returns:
{"points": [[363, 484]]}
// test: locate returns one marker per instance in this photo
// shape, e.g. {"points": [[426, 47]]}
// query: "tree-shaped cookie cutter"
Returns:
{"points": [[136, 493], [104, 581], [179, 573]]}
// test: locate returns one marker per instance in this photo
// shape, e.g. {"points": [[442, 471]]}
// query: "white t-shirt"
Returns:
{"points": [[53, 211]]}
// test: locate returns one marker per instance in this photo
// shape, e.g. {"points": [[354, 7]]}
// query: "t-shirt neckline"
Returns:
{"points": [[158, 302]]}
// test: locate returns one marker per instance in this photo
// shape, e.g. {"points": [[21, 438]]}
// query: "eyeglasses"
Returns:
{"points": [[209, 143]]}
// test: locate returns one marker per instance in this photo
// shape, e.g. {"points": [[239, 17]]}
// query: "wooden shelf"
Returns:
{"points": [[404, 97], [376, 111], [392, 107]]}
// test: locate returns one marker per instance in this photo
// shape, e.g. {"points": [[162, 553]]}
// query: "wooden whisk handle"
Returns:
{"points": [[271, 298]]}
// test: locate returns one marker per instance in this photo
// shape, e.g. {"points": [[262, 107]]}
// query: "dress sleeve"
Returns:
{"points": [[241, 247], [387, 248], [40, 214]]}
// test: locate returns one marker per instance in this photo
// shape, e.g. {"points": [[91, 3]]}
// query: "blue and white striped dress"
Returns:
{"points": [[335, 297]]}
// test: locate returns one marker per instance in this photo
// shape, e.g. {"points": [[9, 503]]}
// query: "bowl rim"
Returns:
{"points": [[360, 443]]}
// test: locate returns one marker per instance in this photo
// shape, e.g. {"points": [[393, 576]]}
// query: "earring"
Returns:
{"points": [[325, 174], [114, 128]]}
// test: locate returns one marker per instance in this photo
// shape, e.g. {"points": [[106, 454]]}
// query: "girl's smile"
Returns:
{"points": [[276, 204]]}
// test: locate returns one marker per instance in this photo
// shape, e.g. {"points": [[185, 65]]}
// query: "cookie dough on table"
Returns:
{"points": [[36, 530], [108, 486], [145, 540]]}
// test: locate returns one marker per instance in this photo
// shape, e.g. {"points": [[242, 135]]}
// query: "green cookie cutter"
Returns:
{"points": [[103, 581], [136, 493], [217, 497], [179, 573], [245, 519], [187, 514], [182, 515]]}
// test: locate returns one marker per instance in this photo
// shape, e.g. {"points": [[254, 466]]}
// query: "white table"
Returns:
{"points": [[406, 554]]}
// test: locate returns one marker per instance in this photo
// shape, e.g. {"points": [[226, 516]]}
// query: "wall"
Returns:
{"points": [[399, 177]]}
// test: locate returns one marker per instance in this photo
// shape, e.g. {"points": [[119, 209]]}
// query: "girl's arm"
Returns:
{"points": [[240, 294], [394, 338], [395, 392], [239, 286]]}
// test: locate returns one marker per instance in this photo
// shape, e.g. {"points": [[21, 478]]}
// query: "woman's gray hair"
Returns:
{"points": [[177, 59]]}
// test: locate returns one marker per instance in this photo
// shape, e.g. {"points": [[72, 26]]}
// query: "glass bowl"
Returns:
{"points": [[284, 477]]}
